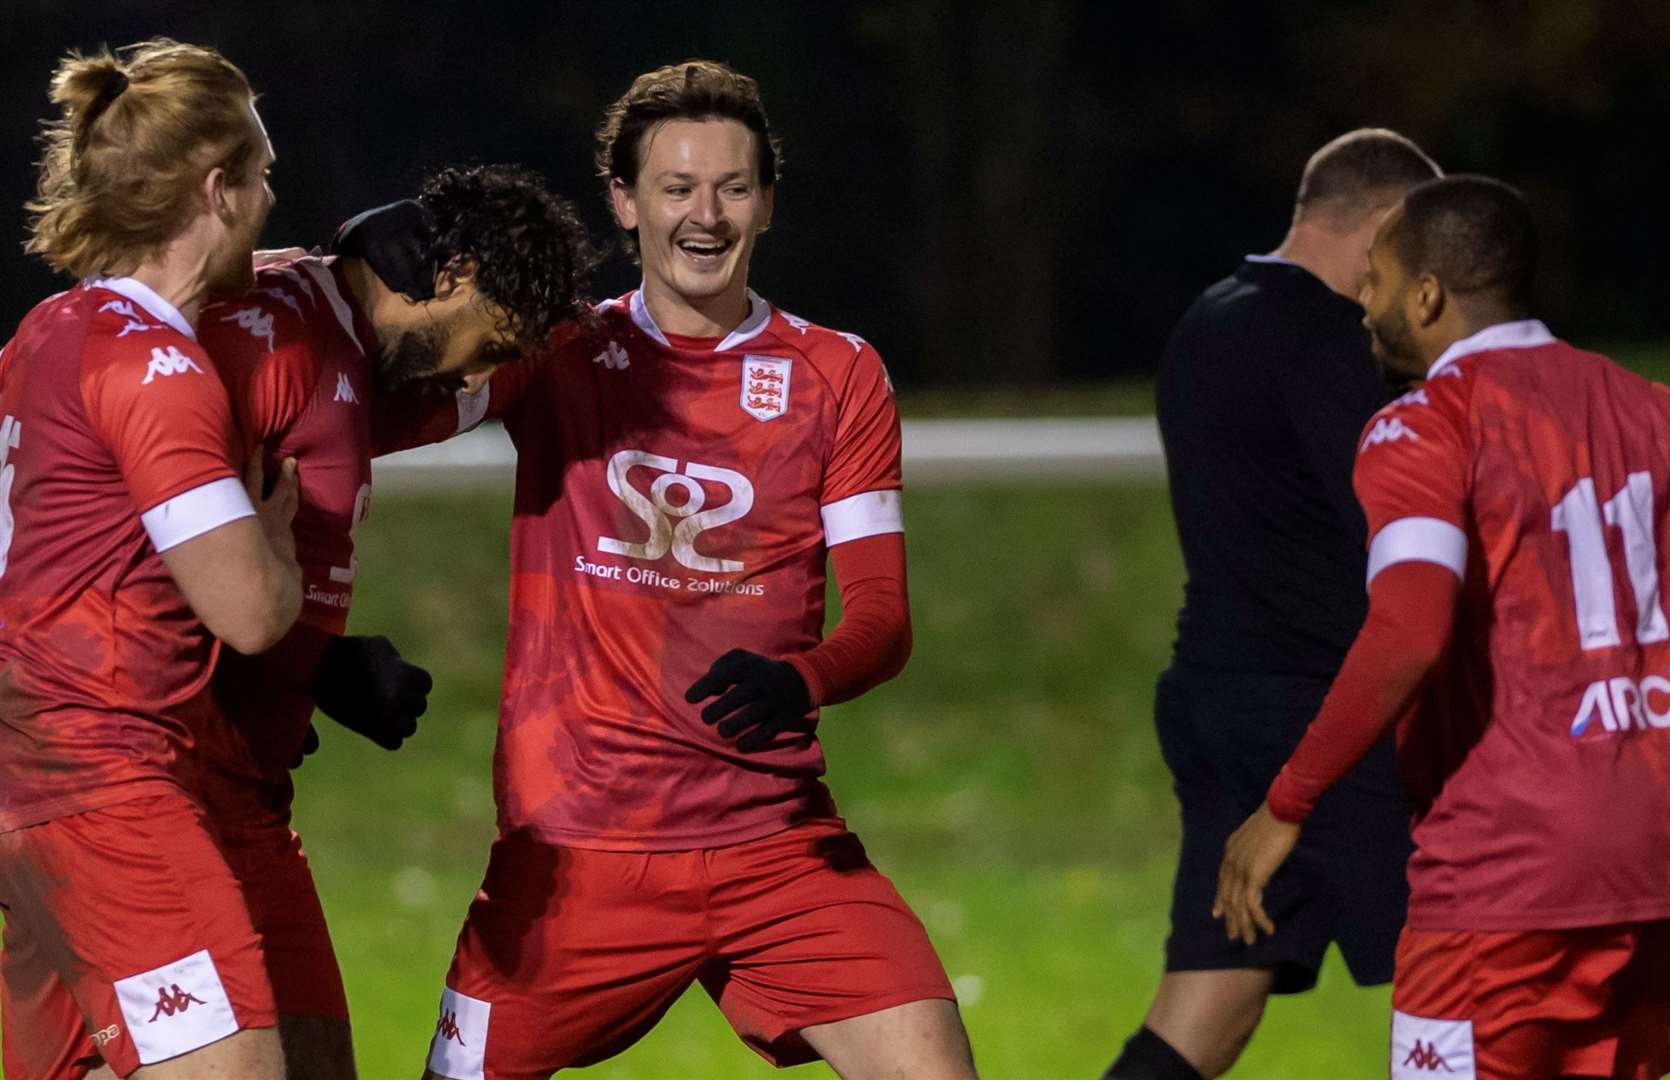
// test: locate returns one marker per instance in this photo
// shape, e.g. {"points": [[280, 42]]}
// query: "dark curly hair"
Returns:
{"points": [[526, 246]]}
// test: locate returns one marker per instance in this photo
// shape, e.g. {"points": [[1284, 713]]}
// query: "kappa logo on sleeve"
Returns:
{"points": [[1388, 429], [169, 361], [176, 1008]]}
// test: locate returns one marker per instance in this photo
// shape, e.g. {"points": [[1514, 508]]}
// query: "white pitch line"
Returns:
{"points": [[935, 452]]}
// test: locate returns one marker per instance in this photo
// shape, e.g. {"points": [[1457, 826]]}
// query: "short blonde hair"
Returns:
{"points": [[138, 131]]}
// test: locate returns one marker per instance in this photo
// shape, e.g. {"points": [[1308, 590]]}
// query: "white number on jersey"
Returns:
{"points": [[344, 575], [11, 434], [1578, 515]]}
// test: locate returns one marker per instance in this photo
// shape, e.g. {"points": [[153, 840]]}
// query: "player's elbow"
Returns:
{"points": [[895, 652]]}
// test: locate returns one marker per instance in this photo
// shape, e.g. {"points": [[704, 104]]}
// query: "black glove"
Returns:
{"points": [[395, 241], [310, 743], [362, 684], [759, 698]]}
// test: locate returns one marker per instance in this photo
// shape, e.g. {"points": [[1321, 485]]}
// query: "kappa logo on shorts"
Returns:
{"points": [[1426, 1056], [459, 1048], [176, 1008], [447, 1027], [1425, 1048], [171, 999]]}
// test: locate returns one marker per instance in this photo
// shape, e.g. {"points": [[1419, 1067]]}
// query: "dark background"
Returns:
{"points": [[992, 193]]}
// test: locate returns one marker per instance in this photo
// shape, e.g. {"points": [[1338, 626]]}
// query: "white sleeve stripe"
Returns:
{"points": [[870, 514], [1418, 539], [472, 408], [192, 513]]}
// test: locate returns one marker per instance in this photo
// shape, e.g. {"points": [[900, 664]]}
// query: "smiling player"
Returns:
{"points": [[685, 469]]}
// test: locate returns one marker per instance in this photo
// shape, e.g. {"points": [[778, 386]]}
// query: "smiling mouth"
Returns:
{"points": [[706, 251]]}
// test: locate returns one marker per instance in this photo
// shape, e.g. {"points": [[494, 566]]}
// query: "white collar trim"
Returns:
{"points": [[759, 314], [1277, 259], [1520, 334], [147, 298]]}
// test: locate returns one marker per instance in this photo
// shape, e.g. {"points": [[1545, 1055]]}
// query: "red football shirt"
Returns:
{"points": [[1538, 758], [296, 354], [675, 498], [116, 442]]}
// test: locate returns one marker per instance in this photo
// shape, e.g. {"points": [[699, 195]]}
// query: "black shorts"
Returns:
{"points": [[1224, 737]]}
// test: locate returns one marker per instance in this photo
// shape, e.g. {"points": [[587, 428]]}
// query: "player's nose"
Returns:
{"points": [[708, 210]]}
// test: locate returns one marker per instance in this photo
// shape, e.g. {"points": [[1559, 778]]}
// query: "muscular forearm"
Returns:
{"points": [[1411, 613]]}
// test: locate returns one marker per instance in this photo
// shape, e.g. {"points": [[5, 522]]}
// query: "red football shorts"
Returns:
{"points": [[124, 922], [569, 956], [1533, 1005], [252, 820]]}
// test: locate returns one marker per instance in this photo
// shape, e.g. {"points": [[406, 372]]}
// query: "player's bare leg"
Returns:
{"points": [[1208, 1016], [922, 1040], [253, 1054], [317, 1047]]}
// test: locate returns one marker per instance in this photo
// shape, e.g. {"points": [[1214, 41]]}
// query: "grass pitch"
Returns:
{"points": [[1009, 782]]}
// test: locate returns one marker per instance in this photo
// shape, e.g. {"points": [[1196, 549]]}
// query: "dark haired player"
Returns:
{"points": [[1519, 510], [1263, 388], [440, 289], [684, 471]]}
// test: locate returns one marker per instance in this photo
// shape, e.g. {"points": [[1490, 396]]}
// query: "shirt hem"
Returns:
{"points": [[1536, 919], [63, 806], [661, 841]]}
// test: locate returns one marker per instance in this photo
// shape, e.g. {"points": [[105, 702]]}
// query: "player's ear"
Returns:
{"points": [[452, 277], [1430, 299], [624, 202], [214, 193]]}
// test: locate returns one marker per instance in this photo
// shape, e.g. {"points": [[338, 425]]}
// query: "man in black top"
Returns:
{"points": [[1263, 391]]}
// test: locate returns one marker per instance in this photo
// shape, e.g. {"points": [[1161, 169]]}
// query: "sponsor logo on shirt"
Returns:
{"points": [[327, 597], [765, 386], [1388, 429], [345, 389], [613, 358], [169, 361], [105, 1036], [675, 512], [1623, 704], [259, 323]]}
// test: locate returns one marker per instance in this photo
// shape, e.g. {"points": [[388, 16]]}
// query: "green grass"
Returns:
{"points": [[1009, 782]]}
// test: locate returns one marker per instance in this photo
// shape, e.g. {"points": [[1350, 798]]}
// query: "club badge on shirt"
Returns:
{"points": [[765, 386]]}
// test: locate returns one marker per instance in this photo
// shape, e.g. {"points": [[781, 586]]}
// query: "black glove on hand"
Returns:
{"points": [[758, 698], [362, 684], [310, 745]]}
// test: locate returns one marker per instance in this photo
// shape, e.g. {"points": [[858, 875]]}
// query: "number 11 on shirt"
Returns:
{"points": [[1579, 516]]}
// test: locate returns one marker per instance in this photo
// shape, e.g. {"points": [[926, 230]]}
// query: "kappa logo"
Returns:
{"points": [[1388, 429], [345, 389], [105, 1036], [446, 1028], [282, 297], [1413, 397], [257, 322], [613, 358], [1425, 1056], [134, 323], [169, 361], [171, 1000], [765, 386]]}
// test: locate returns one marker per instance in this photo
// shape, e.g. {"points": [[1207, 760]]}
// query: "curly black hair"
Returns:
{"points": [[525, 246]]}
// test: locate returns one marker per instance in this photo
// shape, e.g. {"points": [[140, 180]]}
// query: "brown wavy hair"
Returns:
{"points": [[138, 130]]}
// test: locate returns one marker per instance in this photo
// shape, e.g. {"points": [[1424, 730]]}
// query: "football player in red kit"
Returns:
{"points": [[1517, 505], [495, 261], [685, 467], [128, 545]]}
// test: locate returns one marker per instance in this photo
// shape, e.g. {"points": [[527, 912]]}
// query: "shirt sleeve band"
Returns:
{"points": [[869, 514], [1418, 539], [192, 513]]}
